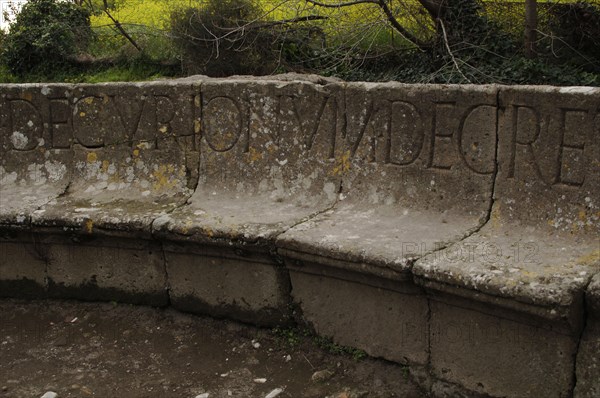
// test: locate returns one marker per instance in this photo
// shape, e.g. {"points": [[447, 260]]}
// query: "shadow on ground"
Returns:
{"points": [[115, 350]]}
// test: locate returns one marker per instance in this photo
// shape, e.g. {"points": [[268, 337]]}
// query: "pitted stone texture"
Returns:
{"points": [[106, 269], [30, 180], [243, 285], [488, 353], [418, 165], [520, 264], [385, 321], [588, 358], [118, 190], [549, 157], [22, 265], [33, 171], [267, 161], [134, 149], [541, 244]]}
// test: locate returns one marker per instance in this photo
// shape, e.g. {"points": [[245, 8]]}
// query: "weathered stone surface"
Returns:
{"points": [[242, 285], [588, 358], [267, 161], [33, 171], [450, 227], [131, 148], [541, 243], [540, 248], [117, 190], [107, 269], [418, 167], [497, 356], [385, 319]]}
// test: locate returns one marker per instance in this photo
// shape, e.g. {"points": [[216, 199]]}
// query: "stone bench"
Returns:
{"points": [[454, 229]]}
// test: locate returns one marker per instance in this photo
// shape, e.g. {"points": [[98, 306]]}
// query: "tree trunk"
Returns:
{"points": [[530, 27]]}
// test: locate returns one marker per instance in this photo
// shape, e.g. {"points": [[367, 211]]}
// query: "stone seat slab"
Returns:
{"points": [[542, 243], [382, 238], [229, 218], [519, 284], [119, 190], [265, 161], [524, 265], [23, 191], [33, 171], [418, 166]]}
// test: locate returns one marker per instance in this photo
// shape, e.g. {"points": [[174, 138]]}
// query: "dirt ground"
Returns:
{"points": [[115, 350]]}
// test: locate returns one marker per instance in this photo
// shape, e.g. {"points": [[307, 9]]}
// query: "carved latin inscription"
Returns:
{"points": [[572, 132], [32, 120], [394, 132], [222, 123], [24, 127], [551, 145]]}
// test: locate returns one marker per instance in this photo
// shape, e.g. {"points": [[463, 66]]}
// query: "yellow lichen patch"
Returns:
{"points": [[254, 155], [186, 227], [81, 114], [162, 180], [92, 157], [105, 165], [197, 101], [197, 126], [495, 216], [27, 96], [164, 129], [89, 226], [529, 274], [342, 164], [136, 152], [89, 100], [590, 259]]}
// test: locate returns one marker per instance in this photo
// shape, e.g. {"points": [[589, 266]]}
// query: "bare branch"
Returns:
{"points": [[450, 51], [120, 27], [405, 33]]}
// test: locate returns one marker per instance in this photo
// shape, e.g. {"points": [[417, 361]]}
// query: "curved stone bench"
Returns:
{"points": [[454, 229]]}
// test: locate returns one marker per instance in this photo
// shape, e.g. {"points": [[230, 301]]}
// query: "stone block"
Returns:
{"points": [[106, 269], [548, 156], [248, 286], [417, 164], [22, 265], [266, 161], [588, 358], [490, 352], [385, 319]]}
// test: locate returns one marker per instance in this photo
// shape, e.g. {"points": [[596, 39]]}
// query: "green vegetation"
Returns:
{"points": [[426, 41], [293, 337], [45, 37]]}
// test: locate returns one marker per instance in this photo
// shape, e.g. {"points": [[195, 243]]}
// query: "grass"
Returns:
{"points": [[293, 337]]}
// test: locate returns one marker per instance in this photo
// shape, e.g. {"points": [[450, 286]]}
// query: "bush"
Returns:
{"points": [[46, 37], [213, 40], [229, 37], [576, 29]]}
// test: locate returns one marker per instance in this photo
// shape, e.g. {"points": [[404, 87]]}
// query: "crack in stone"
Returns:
{"points": [[488, 215]]}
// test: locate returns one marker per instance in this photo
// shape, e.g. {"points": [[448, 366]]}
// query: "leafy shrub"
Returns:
{"points": [[576, 29], [227, 37], [214, 40], [46, 36]]}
